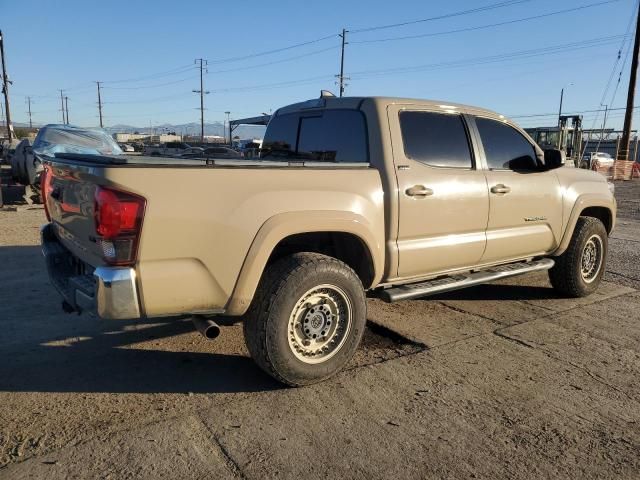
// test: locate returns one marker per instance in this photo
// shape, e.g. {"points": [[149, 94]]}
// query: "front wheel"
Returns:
{"points": [[307, 318], [578, 271]]}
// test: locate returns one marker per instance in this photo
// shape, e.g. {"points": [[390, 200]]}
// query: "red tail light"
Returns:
{"points": [[45, 189], [118, 218]]}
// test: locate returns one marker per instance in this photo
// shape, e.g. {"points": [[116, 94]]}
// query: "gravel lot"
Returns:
{"points": [[499, 381]]}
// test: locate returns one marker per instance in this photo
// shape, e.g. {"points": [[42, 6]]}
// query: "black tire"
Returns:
{"points": [[267, 325], [566, 276]]}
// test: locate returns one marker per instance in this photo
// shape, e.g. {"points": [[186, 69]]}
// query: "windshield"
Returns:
{"points": [[324, 136]]}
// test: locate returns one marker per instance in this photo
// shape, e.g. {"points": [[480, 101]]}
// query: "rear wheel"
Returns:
{"points": [[578, 271], [307, 318]]}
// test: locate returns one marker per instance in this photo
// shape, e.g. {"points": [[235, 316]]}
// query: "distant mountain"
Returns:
{"points": [[193, 128]]}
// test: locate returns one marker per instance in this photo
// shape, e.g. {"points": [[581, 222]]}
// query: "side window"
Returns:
{"points": [[281, 134], [505, 147], [325, 136], [336, 136], [436, 139]]}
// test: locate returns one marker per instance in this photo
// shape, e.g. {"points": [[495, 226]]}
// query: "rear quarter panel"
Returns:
{"points": [[200, 224]]}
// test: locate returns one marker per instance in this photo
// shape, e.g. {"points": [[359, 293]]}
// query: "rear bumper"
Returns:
{"points": [[109, 292]]}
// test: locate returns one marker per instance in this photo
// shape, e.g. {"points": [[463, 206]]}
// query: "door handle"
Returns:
{"points": [[500, 188], [418, 191]]}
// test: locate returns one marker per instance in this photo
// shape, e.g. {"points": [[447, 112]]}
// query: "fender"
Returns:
{"points": [[585, 201], [280, 226]]}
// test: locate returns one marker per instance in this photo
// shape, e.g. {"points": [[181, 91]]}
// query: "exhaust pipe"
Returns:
{"points": [[207, 328]]}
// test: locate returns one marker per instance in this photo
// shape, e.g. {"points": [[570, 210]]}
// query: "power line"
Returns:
{"points": [[274, 85], [482, 27], [276, 50], [604, 93], [460, 13], [144, 87], [305, 55], [532, 115], [166, 73], [492, 58]]}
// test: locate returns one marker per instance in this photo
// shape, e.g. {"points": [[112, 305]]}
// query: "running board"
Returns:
{"points": [[456, 282]]}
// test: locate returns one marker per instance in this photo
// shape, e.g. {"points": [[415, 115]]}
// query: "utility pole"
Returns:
{"points": [[64, 119], [560, 110], [99, 104], [623, 152], [5, 89], [66, 107], [202, 93], [341, 77], [29, 102], [229, 126]]}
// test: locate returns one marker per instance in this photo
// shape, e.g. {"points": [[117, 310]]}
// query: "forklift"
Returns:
{"points": [[567, 136]]}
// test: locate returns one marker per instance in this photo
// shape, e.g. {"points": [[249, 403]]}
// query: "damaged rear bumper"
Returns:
{"points": [[109, 292]]}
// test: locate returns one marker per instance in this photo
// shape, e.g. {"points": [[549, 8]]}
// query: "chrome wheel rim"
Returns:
{"points": [[319, 324], [591, 260]]}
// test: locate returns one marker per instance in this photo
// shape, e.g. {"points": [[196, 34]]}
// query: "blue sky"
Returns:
{"points": [[144, 53]]}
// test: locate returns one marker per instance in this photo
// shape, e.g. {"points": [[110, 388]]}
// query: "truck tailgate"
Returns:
{"points": [[70, 192]]}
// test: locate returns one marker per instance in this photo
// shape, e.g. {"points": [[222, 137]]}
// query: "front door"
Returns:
{"points": [[525, 201], [442, 196]]}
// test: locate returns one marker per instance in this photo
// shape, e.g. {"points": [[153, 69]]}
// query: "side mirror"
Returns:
{"points": [[554, 158]]}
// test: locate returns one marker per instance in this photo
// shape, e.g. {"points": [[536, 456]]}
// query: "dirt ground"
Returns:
{"points": [[499, 381]]}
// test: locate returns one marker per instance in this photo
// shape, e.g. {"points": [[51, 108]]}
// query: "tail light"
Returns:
{"points": [[45, 189], [118, 218]]}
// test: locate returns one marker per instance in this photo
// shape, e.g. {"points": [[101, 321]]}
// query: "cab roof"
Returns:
{"points": [[383, 102]]}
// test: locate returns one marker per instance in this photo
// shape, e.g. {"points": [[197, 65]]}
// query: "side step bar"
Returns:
{"points": [[456, 282]]}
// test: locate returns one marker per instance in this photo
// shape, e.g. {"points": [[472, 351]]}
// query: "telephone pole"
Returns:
{"points": [[202, 93], [341, 77], [29, 102], [623, 151], [99, 104], [66, 107], [5, 89], [64, 119], [229, 127]]}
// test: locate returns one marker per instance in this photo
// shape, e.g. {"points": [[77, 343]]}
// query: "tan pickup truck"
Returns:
{"points": [[399, 198]]}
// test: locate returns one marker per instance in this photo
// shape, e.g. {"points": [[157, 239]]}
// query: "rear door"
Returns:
{"points": [[442, 194], [525, 201]]}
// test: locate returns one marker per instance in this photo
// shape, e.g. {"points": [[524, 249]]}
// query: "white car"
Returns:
{"points": [[600, 159]]}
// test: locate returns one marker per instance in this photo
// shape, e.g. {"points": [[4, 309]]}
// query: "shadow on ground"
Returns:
{"points": [[43, 349], [496, 291]]}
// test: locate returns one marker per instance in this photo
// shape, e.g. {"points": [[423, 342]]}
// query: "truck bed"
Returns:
{"points": [[202, 217]]}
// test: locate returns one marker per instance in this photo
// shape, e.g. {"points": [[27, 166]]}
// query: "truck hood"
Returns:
{"points": [[568, 176]]}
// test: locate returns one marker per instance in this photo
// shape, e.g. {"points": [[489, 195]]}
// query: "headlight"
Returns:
{"points": [[612, 188]]}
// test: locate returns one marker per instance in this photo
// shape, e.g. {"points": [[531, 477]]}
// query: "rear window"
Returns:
{"points": [[326, 136]]}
